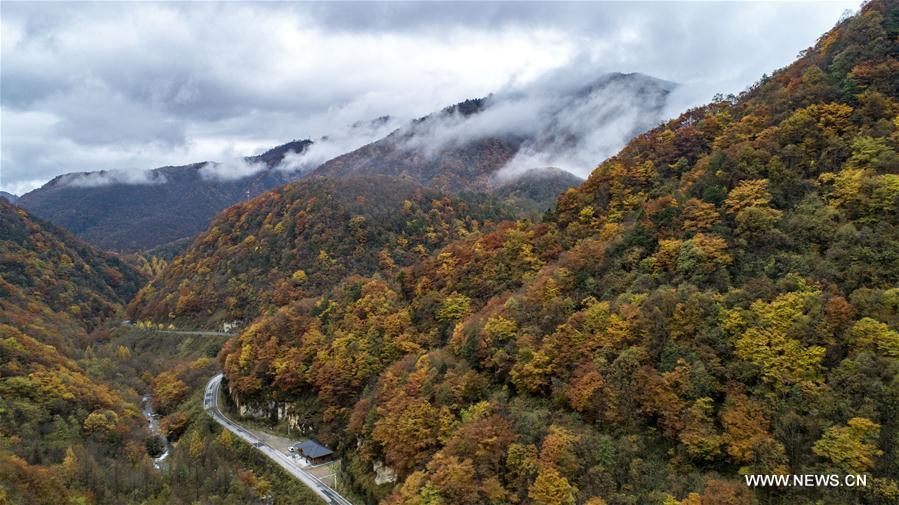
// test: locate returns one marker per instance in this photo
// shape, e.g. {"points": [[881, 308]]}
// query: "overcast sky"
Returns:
{"points": [[140, 85]]}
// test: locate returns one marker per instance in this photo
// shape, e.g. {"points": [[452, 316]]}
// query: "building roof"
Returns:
{"points": [[312, 449]]}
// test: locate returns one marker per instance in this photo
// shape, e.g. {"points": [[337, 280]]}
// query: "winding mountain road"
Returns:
{"points": [[211, 405]]}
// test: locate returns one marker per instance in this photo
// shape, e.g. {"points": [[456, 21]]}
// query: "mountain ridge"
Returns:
{"points": [[462, 147], [452, 151], [172, 203], [298, 239]]}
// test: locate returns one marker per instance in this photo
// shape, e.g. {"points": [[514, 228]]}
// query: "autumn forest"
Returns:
{"points": [[718, 299]]}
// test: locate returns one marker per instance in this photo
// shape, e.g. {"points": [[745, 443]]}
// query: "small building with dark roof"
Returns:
{"points": [[314, 452]]}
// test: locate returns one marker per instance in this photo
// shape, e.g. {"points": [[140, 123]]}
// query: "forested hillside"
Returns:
{"points": [[53, 291], [720, 298], [71, 430], [295, 241], [53, 286]]}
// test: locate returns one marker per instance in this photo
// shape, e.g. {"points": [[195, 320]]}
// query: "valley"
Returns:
{"points": [[449, 315], [153, 427]]}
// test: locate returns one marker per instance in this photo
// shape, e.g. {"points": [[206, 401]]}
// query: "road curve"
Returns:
{"points": [[211, 405]]}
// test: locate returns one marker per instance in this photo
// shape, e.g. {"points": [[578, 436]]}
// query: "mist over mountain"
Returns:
{"points": [[475, 145], [9, 197], [555, 121], [132, 211]]}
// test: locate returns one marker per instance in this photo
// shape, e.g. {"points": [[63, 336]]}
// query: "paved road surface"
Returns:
{"points": [[211, 405], [205, 333], [199, 332]]}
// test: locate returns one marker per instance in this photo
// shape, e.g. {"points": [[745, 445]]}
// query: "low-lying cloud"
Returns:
{"points": [[499, 117], [561, 121], [345, 139], [342, 141], [230, 169], [594, 125], [111, 177]]}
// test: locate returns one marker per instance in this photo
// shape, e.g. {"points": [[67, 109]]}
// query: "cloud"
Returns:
{"points": [[342, 141], [559, 121], [517, 116], [230, 169], [110, 177], [345, 139], [92, 114], [134, 86], [590, 127]]}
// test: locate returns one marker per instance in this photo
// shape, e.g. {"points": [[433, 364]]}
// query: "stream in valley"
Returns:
{"points": [[153, 427]]}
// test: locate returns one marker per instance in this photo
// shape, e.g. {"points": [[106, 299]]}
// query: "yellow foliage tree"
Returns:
{"points": [[851, 448], [550, 488]]}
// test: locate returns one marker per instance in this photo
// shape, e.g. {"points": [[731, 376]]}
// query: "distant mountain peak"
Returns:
{"points": [[275, 155]]}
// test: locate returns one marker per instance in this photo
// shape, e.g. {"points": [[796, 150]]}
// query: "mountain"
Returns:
{"points": [[54, 290], [297, 240], [9, 197], [465, 146], [163, 205], [54, 286], [717, 300]]}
